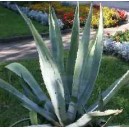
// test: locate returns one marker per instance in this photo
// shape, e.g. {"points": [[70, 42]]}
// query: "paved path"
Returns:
{"points": [[27, 49], [114, 4]]}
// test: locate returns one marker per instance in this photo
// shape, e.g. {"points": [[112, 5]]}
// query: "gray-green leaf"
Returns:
{"points": [[73, 49], [92, 65], [50, 73], [111, 91]]}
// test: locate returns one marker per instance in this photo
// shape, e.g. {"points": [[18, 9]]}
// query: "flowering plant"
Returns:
{"points": [[68, 20], [112, 17], [122, 14], [121, 36]]}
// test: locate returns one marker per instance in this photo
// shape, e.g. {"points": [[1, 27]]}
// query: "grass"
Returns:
{"points": [[12, 24], [111, 69]]}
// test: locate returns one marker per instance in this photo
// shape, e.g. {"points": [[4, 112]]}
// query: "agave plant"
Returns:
{"points": [[69, 87]]}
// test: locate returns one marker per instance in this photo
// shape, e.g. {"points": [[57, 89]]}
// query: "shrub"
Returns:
{"points": [[122, 14], [121, 36], [68, 20], [69, 88]]}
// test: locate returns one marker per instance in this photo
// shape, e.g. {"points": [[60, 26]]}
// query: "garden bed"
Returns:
{"points": [[65, 13], [118, 45]]}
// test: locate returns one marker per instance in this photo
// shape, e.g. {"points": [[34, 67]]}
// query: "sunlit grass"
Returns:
{"points": [[12, 24]]}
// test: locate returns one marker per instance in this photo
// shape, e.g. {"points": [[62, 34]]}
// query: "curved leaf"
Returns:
{"points": [[56, 40], [50, 73], [91, 66], [6, 86], [81, 56], [86, 118], [111, 91], [73, 49], [57, 47], [22, 72]]}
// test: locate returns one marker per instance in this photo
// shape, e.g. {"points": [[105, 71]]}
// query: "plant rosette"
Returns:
{"points": [[70, 87]]}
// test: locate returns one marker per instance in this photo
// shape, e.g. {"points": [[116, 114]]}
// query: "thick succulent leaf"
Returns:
{"points": [[105, 113], [50, 73], [33, 118], [57, 47], [79, 65], [73, 49], [81, 55], [86, 118], [22, 72], [26, 101], [56, 40], [27, 91], [101, 105], [92, 65], [111, 91]]}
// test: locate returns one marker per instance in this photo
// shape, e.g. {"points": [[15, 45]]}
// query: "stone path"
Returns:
{"points": [[113, 4], [27, 49]]}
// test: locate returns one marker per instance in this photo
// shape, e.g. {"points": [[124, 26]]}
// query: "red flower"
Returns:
{"points": [[122, 14], [96, 6]]}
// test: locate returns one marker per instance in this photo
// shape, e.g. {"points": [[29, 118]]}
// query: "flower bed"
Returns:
{"points": [[120, 49], [39, 16], [39, 12], [118, 44], [121, 36], [112, 17]]}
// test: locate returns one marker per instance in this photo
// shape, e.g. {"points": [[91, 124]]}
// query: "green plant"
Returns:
{"points": [[69, 88], [121, 36], [111, 18]]}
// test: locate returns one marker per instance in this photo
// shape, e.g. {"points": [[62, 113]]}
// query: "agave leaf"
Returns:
{"points": [[33, 118], [50, 73], [79, 65], [86, 118], [101, 105], [56, 40], [73, 49], [27, 91], [26, 101], [92, 64], [105, 113], [111, 91], [22, 72], [57, 47]]}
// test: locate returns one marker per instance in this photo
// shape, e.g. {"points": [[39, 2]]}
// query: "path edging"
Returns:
{"points": [[28, 37]]}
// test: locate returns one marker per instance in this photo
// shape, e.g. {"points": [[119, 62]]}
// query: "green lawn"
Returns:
{"points": [[111, 69], [12, 24]]}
